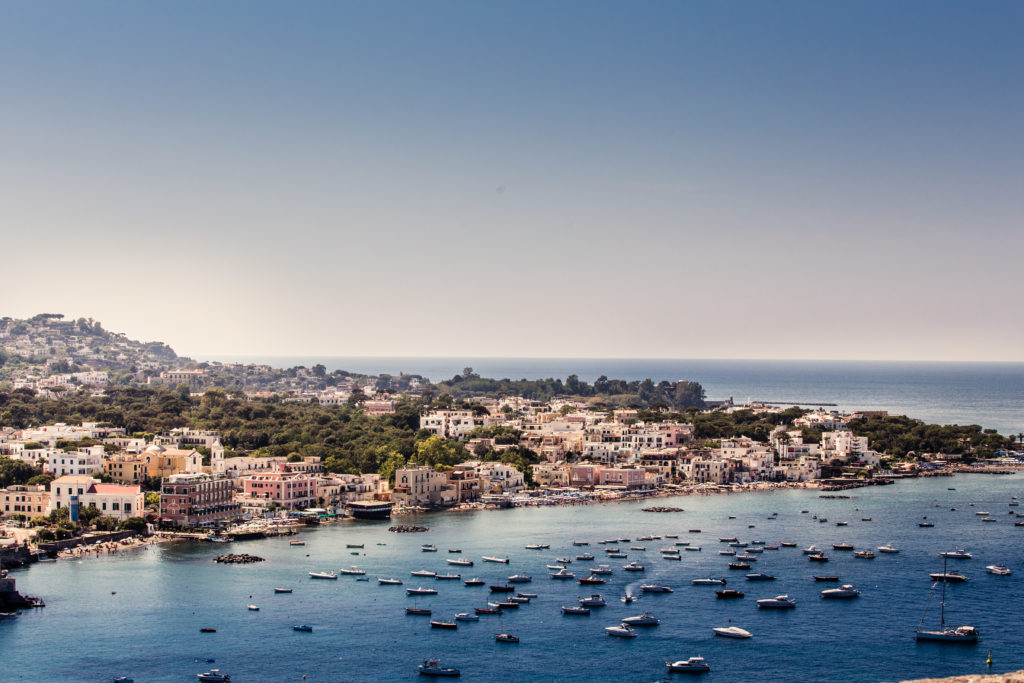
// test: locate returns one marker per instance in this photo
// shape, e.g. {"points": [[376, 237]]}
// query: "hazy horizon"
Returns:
{"points": [[792, 180]]}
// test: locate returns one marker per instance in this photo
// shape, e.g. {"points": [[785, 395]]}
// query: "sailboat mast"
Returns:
{"points": [[942, 605]]}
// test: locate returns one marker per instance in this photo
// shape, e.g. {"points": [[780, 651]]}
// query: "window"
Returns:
{"points": [[114, 506]]}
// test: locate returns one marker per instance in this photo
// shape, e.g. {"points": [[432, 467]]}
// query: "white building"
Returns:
{"points": [[112, 500]]}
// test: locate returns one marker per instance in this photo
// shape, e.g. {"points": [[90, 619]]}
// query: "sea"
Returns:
{"points": [[986, 394], [139, 613]]}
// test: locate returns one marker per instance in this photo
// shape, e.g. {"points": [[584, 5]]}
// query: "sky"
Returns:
{"points": [[687, 179]]}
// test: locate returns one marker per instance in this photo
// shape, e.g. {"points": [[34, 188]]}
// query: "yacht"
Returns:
{"points": [[563, 574], [503, 560], [432, 669], [888, 549], [601, 569], [584, 557], [461, 562], [844, 592], [956, 554], [998, 570], [476, 581], [732, 632], [864, 554], [213, 676], [570, 609], [645, 619], [448, 577], [778, 602], [426, 573], [655, 588], [282, 590], [420, 591], [949, 577], [954, 634], [466, 616], [389, 582], [812, 550], [686, 666], [620, 631], [506, 638], [449, 625], [352, 571], [595, 600], [633, 566], [708, 582], [520, 578], [323, 575], [728, 594], [756, 576]]}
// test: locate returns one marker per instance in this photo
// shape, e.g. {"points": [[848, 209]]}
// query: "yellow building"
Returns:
{"points": [[30, 501], [163, 462], [126, 469]]}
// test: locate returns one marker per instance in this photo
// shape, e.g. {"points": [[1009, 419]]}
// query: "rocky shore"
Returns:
{"points": [[237, 558]]}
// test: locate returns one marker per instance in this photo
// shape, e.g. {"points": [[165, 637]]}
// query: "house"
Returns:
{"points": [[197, 500], [113, 500], [31, 501], [418, 486], [624, 477], [284, 487]]}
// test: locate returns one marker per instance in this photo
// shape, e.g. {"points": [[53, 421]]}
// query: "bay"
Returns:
{"points": [[149, 629]]}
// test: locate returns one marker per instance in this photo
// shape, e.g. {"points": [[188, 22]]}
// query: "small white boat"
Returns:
{"points": [[595, 600], [620, 631], [448, 577], [685, 666], [998, 570], [461, 562], [537, 546], [634, 566], [503, 560], [732, 632], [888, 549], [584, 557], [420, 591], [424, 573], [844, 592], [253, 608], [213, 676], [563, 573], [579, 611], [956, 554], [282, 590], [353, 571], [323, 575], [812, 550], [708, 582], [778, 602], [655, 588], [389, 582], [645, 619], [466, 616], [520, 578], [726, 552]]}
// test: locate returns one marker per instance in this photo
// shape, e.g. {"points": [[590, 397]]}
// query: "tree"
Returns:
{"points": [[437, 451], [40, 480], [88, 514], [152, 499], [136, 524], [392, 462], [105, 523]]}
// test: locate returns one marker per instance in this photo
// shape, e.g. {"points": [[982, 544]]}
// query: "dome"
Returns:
{"points": [[155, 448]]}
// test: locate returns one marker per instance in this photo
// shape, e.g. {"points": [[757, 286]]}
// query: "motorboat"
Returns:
{"points": [[727, 539], [628, 599], [612, 550], [998, 570], [738, 544], [487, 610], [888, 549], [213, 676], [728, 594], [563, 574], [671, 535], [949, 577], [681, 544], [864, 554], [829, 579], [502, 588], [956, 554], [520, 578], [948, 634], [420, 591], [752, 549], [448, 625], [296, 542], [787, 544], [461, 562], [584, 557], [570, 609], [591, 580], [389, 582], [432, 669], [506, 638], [282, 590], [676, 557], [687, 666], [670, 551], [645, 619], [696, 548], [739, 565], [638, 547], [521, 599], [429, 548], [253, 608], [778, 602], [633, 566], [577, 543], [455, 550], [537, 546], [844, 592], [732, 632], [525, 595], [203, 630], [842, 546], [466, 616], [819, 557], [503, 560], [448, 577], [618, 556], [323, 575], [348, 545], [352, 571], [473, 582], [842, 523], [620, 631], [812, 550], [556, 567], [726, 552], [925, 525], [508, 604], [655, 588], [424, 573], [708, 582], [595, 600], [303, 627], [563, 560], [757, 576]]}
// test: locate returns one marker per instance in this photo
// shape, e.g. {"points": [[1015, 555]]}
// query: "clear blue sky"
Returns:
{"points": [[645, 179]]}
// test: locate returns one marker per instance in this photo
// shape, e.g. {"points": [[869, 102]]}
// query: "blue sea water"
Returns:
{"points": [[149, 629], [987, 394]]}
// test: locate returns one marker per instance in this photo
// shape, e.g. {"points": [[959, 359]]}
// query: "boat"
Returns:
{"points": [[282, 590], [687, 666], [618, 556], [842, 546], [449, 625], [425, 573], [506, 638], [746, 558], [864, 554], [787, 544], [778, 602], [708, 582], [571, 609], [949, 577], [888, 549], [213, 676], [812, 550], [595, 600], [926, 525], [620, 631], [633, 566], [638, 547], [207, 630], [537, 546], [671, 535], [432, 669], [466, 616], [487, 610], [956, 554], [947, 634], [323, 575], [820, 557], [520, 578], [694, 531], [420, 591], [844, 592], [756, 551], [520, 599], [502, 588], [727, 539], [556, 567], [628, 599], [842, 523], [655, 588], [563, 573], [739, 565], [563, 560], [455, 550], [998, 570], [303, 627], [389, 582], [353, 571], [503, 560], [584, 557], [591, 580], [428, 548], [680, 544], [253, 608], [728, 594], [645, 619], [119, 679], [726, 552], [865, 519], [418, 611], [348, 545], [757, 576], [676, 557], [581, 543], [448, 577], [461, 562], [525, 595], [296, 542], [475, 581], [696, 548], [732, 632], [827, 578]]}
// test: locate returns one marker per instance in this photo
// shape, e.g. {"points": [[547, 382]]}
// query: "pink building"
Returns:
{"points": [[628, 477], [585, 475], [283, 487]]}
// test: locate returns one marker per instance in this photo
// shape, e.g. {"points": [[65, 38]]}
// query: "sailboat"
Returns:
{"points": [[945, 633]]}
